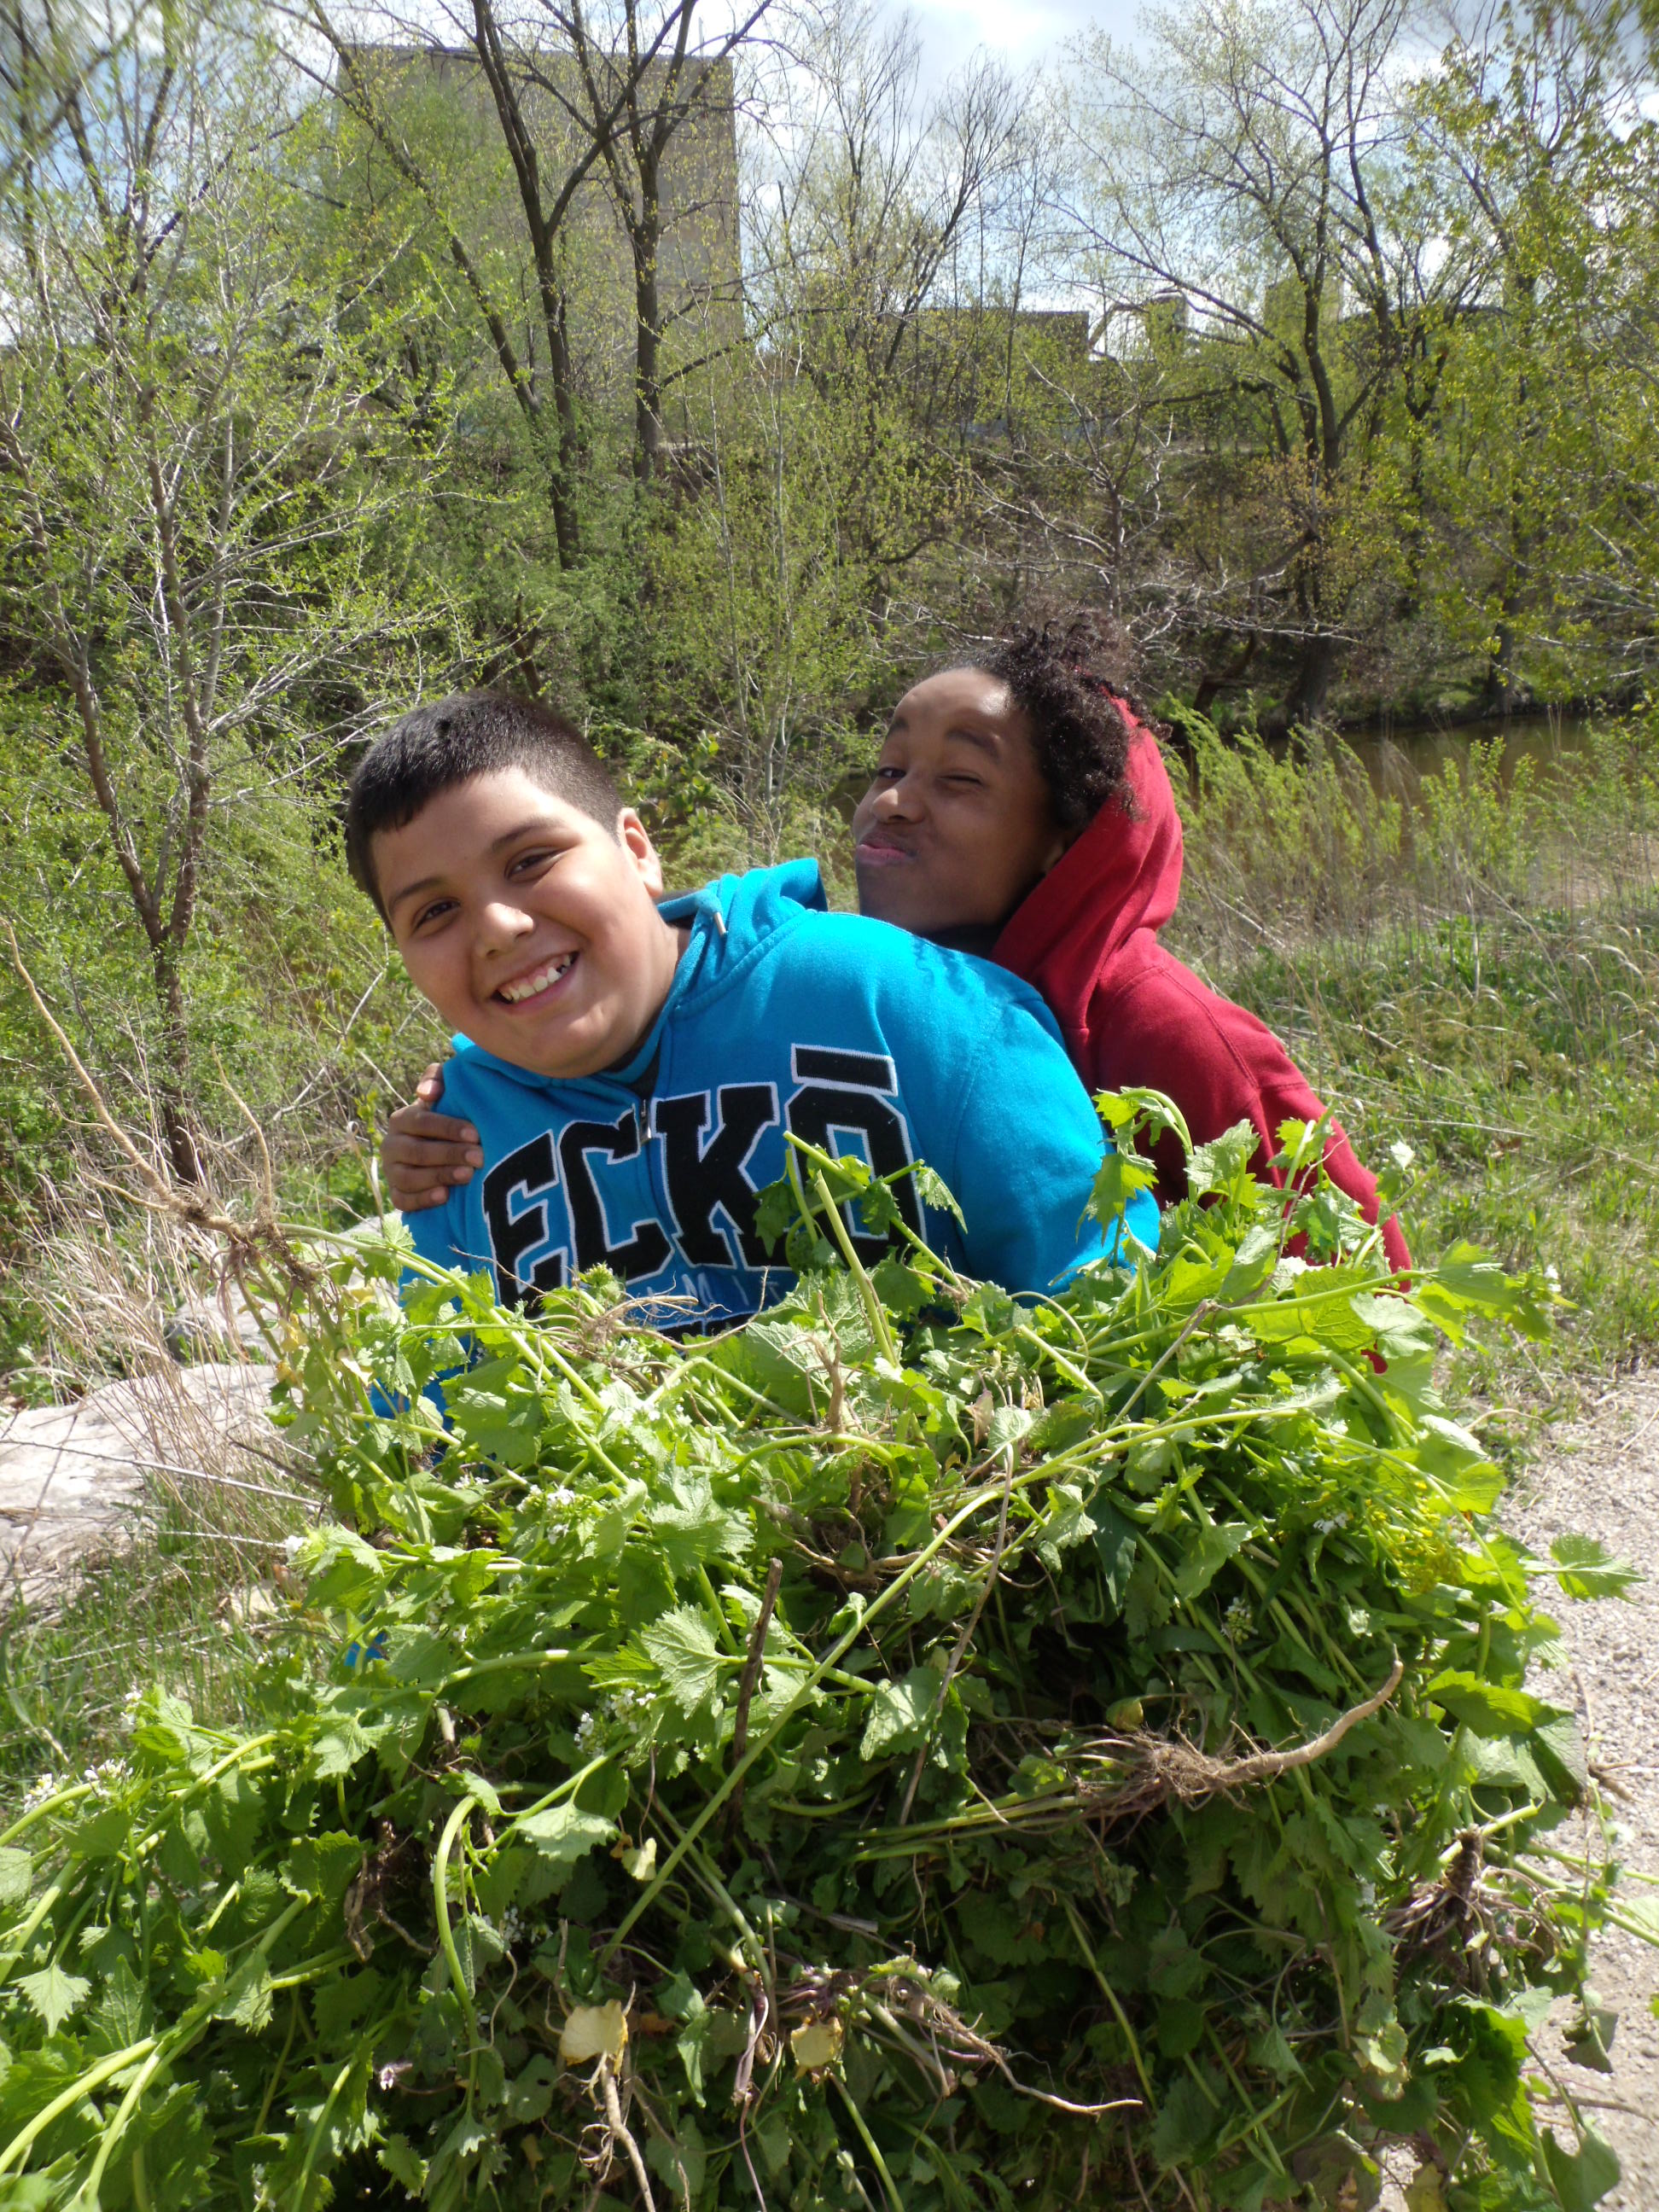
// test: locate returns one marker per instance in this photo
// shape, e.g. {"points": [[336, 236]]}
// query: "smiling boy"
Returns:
{"points": [[632, 1068]]}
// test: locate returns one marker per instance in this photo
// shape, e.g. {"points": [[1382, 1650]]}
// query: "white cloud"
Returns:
{"points": [[1033, 31]]}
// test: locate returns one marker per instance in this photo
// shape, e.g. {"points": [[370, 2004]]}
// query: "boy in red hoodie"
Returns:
{"points": [[1020, 810]]}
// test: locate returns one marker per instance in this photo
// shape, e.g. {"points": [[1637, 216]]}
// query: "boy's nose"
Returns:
{"points": [[502, 924], [895, 799]]}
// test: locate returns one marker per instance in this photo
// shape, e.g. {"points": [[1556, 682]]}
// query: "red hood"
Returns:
{"points": [[1123, 874]]}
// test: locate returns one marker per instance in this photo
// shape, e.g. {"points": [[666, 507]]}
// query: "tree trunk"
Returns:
{"points": [[1501, 693], [647, 352], [173, 1090], [1214, 682], [565, 472], [645, 237], [1311, 688]]}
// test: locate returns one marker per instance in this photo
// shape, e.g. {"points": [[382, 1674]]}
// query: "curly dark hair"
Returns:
{"points": [[1076, 714]]}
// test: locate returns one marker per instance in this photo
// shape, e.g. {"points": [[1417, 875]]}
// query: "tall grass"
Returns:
{"points": [[1470, 961], [185, 1586]]}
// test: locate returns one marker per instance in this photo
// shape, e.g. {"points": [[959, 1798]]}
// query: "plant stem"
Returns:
{"points": [[441, 1902]]}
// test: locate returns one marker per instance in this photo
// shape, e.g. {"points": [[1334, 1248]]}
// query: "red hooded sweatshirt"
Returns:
{"points": [[1134, 1016]]}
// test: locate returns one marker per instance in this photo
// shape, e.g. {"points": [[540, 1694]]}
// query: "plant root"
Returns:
{"points": [[1159, 1768], [616, 2131]]}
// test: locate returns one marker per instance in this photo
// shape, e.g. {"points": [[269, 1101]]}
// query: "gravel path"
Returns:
{"points": [[1600, 1477]]}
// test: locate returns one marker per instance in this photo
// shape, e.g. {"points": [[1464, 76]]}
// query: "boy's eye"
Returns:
{"points": [[526, 862], [436, 911]]}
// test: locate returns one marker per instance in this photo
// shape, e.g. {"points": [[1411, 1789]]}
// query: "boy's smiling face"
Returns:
{"points": [[527, 924]]}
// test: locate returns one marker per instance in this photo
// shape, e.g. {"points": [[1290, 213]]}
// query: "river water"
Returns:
{"points": [[1398, 762]]}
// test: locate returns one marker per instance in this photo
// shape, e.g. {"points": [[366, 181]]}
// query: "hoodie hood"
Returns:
{"points": [[1122, 876], [738, 913]]}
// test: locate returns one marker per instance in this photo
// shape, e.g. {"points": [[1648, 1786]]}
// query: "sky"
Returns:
{"points": [[1024, 30]]}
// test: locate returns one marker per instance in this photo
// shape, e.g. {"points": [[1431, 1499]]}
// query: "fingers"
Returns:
{"points": [[425, 1155], [459, 1139], [416, 1197]]}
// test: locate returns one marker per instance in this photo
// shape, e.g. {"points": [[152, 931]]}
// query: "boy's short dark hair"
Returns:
{"points": [[449, 742]]}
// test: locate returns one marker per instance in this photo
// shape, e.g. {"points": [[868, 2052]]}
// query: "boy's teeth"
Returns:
{"points": [[527, 986]]}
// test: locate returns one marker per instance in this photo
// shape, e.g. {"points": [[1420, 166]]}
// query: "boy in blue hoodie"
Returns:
{"points": [[632, 1067]]}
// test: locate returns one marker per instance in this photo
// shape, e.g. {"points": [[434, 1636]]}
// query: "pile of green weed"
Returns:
{"points": [[825, 1766]]}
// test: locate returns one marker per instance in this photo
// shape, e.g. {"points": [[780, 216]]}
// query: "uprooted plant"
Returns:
{"points": [[918, 1750]]}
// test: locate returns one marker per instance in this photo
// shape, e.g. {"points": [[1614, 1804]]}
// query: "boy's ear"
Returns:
{"points": [[635, 841]]}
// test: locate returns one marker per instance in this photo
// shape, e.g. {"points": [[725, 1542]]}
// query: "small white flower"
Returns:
{"points": [[1329, 1528], [45, 1786], [291, 1546], [586, 1729]]}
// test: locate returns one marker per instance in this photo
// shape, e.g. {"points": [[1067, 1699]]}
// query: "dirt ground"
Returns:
{"points": [[1599, 1477]]}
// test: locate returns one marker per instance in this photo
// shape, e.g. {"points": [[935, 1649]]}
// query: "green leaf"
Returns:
{"points": [[1401, 1331], [461, 1782], [693, 1529], [682, 1645], [935, 1192], [1589, 2041], [899, 1713], [16, 1876], [1252, 1263], [1114, 1542], [122, 2014], [1582, 2178], [1186, 2121], [776, 1211], [1122, 1175], [322, 1867], [530, 2092], [1223, 1165], [1206, 1556], [1640, 1915], [403, 2163], [1181, 2024], [54, 1995], [1487, 1707], [710, 2035], [246, 1998], [1586, 1569], [1559, 1750], [563, 1834]]}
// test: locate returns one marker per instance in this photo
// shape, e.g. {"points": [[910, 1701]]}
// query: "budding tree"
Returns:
{"points": [[199, 479]]}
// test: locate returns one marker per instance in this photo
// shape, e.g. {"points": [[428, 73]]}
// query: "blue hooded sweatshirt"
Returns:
{"points": [[850, 1033]]}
